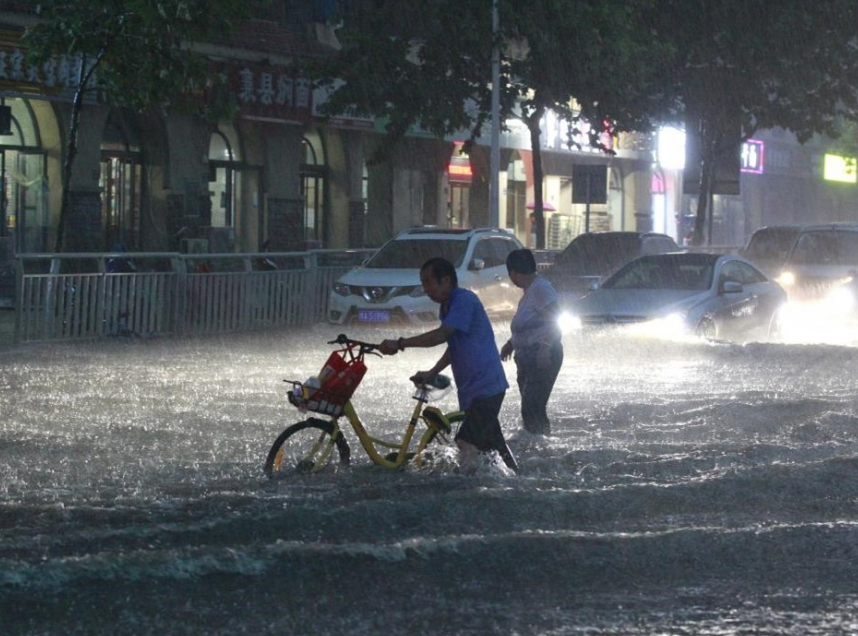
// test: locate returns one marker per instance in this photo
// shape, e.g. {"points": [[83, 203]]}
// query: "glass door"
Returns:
{"points": [[24, 207], [121, 178], [312, 191]]}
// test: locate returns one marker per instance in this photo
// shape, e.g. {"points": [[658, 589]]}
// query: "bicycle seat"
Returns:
{"points": [[433, 391], [441, 381]]}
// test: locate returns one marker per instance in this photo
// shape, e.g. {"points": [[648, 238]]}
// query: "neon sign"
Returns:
{"points": [[751, 159], [837, 168]]}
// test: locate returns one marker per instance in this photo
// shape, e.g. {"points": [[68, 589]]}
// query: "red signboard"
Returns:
{"points": [[269, 93]]}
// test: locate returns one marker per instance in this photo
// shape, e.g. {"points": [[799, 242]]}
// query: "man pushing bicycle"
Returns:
{"points": [[473, 355]]}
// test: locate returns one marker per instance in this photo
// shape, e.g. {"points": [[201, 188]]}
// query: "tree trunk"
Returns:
{"points": [[71, 152], [538, 215], [703, 198]]}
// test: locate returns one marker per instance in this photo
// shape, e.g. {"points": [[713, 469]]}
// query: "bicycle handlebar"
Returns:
{"points": [[344, 340]]}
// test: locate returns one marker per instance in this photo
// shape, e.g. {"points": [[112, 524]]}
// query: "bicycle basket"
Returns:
{"points": [[337, 382]]}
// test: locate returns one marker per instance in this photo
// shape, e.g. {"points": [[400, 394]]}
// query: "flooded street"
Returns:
{"points": [[688, 487]]}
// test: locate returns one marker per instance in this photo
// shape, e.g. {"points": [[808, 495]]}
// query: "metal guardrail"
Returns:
{"points": [[80, 296]]}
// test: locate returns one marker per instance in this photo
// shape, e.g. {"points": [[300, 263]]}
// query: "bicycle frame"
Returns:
{"points": [[437, 424], [400, 451]]}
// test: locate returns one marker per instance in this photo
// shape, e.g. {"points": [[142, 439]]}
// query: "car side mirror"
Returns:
{"points": [[732, 287], [477, 264]]}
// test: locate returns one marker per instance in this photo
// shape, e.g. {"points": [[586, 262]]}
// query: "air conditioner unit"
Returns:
{"points": [[194, 246]]}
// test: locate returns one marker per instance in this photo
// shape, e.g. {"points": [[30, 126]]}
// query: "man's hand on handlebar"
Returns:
{"points": [[389, 347], [422, 378]]}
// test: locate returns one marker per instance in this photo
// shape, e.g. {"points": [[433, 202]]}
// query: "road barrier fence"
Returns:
{"points": [[87, 295]]}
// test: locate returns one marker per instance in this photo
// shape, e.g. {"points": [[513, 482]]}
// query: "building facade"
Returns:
{"points": [[279, 177]]}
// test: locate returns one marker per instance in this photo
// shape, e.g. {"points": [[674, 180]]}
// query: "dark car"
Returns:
{"points": [[769, 247], [716, 296], [591, 257], [822, 258]]}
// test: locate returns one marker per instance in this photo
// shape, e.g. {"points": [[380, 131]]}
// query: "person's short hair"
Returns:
{"points": [[441, 267], [521, 261]]}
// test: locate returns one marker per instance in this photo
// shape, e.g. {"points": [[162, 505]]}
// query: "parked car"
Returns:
{"points": [[769, 247], [387, 289], [710, 295], [592, 257], [821, 259]]}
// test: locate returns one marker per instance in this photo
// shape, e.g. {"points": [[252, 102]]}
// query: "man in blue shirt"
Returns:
{"points": [[473, 355]]}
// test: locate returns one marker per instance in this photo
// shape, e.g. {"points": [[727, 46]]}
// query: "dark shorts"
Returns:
{"points": [[481, 426]]}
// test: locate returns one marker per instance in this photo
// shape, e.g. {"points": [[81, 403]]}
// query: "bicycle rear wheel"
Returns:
{"points": [[306, 447]]}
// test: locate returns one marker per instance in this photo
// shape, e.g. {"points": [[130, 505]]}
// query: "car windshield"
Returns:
{"points": [[826, 247], [593, 255], [671, 271], [412, 253], [771, 243]]}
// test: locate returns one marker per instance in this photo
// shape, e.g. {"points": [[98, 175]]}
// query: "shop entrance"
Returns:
{"points": [[121, 176], [313, 174], [22, 207], [458, 213]]}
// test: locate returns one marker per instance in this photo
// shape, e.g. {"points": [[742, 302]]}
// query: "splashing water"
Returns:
{"points": [[686, 488]]}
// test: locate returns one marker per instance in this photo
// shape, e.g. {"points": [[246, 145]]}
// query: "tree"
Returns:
{"points": [[581, 64], [432, 67], [744, 65], [132, 53]]}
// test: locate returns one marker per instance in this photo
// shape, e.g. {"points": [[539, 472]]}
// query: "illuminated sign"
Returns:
{"points": [[670, 151], [751, 159], [459, 169], [837, 168]]}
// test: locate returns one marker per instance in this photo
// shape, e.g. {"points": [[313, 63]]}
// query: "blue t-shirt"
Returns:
{"points": [[474, 355]]}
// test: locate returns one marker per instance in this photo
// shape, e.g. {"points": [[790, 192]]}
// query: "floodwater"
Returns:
{"points": [[688, 488]]}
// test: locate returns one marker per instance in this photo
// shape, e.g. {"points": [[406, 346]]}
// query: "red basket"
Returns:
{"points": [[338, 380]]}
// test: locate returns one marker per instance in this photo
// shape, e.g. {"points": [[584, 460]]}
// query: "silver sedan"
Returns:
{"points": [[715, 296]]}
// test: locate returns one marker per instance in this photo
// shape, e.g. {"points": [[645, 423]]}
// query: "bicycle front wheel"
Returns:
{"points": [[306, 447]]}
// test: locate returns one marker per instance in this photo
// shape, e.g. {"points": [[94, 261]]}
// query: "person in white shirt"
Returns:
{"points": [[535, 344]]}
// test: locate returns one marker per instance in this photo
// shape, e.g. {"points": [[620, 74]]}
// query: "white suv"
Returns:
{"points": [[386, 288]]}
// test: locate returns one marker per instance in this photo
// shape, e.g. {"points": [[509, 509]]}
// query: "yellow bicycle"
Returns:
{"points": [[309, 446]]}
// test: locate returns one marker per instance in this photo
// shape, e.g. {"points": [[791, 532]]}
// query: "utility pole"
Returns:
{"points": [[494, 167]]}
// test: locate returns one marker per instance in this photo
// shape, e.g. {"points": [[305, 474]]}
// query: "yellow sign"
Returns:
{"points": [[837, 168]]}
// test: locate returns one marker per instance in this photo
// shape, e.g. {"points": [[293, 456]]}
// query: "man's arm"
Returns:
{"points": [[424, 377], [428, 339]]}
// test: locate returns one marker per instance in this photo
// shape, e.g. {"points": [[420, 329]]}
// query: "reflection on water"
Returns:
{"points": [[688, 488]]}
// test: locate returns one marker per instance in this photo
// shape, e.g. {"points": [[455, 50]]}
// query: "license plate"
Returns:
{"points": [[373, 315]]}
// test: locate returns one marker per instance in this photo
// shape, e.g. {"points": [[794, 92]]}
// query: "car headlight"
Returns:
{"points": [[671, 326], [787, 279], [341, 289], [841, 300], [568, 322]]}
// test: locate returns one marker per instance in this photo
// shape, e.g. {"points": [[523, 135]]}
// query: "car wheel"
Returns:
{"points": [[776, 327], [706, 328]]}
